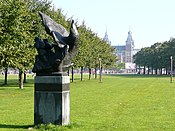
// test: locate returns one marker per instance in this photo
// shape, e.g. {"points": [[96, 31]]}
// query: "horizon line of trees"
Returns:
{"points": [[156, 57], [20, 24]]}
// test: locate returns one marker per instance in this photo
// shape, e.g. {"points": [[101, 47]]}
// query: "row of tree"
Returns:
{"points": [[20, 24], [156, 57]]}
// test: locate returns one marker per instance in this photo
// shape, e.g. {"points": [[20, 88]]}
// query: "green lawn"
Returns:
{"points": [[121, 103]]}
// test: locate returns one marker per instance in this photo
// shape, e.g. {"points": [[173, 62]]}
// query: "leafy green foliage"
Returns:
{"points": [[16, 38], [157, 56], [20, 24], [91, 48]]}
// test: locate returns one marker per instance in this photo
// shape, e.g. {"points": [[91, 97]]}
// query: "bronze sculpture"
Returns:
{"points": [[59, 60]]}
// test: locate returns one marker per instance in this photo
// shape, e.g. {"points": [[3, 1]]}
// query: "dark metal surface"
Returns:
{"points": [[55, 57]]}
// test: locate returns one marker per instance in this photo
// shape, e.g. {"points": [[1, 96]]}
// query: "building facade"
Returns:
{"points": [[125, 52], [120, 51], [129, 48]]}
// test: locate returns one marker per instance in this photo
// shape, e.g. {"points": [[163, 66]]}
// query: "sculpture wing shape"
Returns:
{"points": [[57, 31]]}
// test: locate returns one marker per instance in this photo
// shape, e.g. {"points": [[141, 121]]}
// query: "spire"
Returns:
{"points": [[130, 28], [106, 37], [129, 39]]}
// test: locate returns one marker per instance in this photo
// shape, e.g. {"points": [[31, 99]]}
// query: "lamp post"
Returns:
{"points": [[171, 73], [100, 69]]}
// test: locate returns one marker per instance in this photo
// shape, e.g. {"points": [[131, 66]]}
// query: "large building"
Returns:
{"points": [[129, 48], [120, 51], [125, 52]]}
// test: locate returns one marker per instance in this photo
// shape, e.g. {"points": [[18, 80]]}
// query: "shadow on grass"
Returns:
{"points": [[15, 126], [54, 127], [14, 83], [75, 79], [10, 83], [137, 75]]}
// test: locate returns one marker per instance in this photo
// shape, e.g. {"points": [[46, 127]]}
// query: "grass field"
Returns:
{"points": [[119, 103]]}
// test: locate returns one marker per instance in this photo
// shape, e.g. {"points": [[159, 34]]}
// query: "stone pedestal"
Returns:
{"points": [[52, 99]]}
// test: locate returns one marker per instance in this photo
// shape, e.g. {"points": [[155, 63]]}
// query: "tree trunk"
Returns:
{"points": [[72, 74], [161, 71], [139, 69], [81, 73], [152, 69], [20, 79], [156, 71], [166, 71], [144, 70], [68, 72], [89, 73], [95, 73], [148, 70], [25, 80], [101, 73], [5, 80]]}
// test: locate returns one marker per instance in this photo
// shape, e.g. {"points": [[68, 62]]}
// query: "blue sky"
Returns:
{"points": [[150, 21]]}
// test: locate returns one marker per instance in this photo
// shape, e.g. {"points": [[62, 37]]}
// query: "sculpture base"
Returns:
{"points": [[52, 99]]}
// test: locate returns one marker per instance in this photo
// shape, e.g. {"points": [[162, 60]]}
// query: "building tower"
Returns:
{"points": [[106, 37], [129, 48]]}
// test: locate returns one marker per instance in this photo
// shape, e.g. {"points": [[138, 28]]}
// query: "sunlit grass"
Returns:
{"points": [[121, 102]]}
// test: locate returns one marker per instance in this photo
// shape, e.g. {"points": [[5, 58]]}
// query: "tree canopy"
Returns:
{"points": [[20, 24], [157, 56]]}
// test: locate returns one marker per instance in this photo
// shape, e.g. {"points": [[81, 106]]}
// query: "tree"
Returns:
{"points": [[20, 24], [18, 29], [157, 56], [91, 48]]}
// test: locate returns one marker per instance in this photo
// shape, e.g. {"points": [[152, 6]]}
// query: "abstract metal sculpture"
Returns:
{"points": [[55, 57]]}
